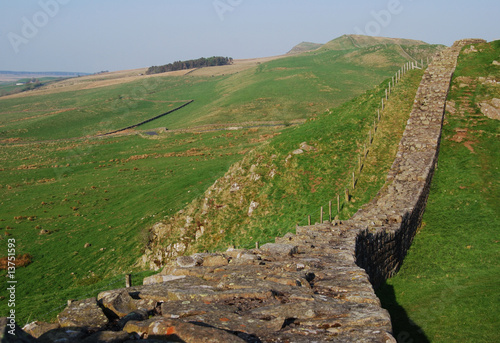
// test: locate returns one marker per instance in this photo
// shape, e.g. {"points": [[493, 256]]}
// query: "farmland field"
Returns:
{"points": [[81, 205]]}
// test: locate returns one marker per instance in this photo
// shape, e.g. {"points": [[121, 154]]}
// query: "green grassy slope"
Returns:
{"points": [[348, 42], [448, 289], [295, 87], [290, 187], [102, 192], [10, 87]]}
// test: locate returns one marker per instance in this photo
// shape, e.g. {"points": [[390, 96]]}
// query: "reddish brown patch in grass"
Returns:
{"points": [[468, 145], [315, 182], [21, 261], [460, 136]]}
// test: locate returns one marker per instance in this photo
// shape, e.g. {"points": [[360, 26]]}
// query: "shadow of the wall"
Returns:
{"points": [[404, 329]]}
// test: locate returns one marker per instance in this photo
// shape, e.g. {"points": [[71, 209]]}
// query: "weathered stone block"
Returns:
{"points": [[85, 313], [161, 279], [118, 302], [215, 261], [64, 335], [36, 329], [176, 330], [279, 249], [109, 337]]}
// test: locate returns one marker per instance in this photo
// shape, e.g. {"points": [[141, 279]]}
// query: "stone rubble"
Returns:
{"points": [[313, 286]]}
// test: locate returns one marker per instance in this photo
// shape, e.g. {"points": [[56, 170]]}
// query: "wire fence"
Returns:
{"points": [[334, 208]]}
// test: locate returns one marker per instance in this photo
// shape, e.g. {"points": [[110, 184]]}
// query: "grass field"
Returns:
{"points": [[11, 87], [105, 193], [61, 187], [290, 187], [448, 289], [285, 89]]}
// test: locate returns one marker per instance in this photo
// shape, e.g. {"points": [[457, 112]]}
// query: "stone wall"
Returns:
{"points": [[313, 286], [390, 221]]}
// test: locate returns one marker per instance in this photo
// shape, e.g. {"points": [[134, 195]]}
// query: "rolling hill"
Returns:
{"points": [[284, 89]]}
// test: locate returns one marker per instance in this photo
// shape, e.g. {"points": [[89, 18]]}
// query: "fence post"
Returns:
{"points": [[128, 280], [347, 197], [321, 216], [378, 114], [353, 180], [309, 220], [338, 203], [330, 210]]}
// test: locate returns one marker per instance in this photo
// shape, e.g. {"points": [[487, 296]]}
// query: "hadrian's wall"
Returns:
{"points": [[314, 286], [389, 222]]}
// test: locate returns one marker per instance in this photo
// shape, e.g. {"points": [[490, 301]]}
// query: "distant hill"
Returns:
{"points": [[348, 42], [7, 75], [303, 47], [368, 50]]}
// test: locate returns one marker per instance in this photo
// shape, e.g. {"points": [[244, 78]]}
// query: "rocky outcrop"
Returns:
{"points": [[491, 109], [313, 286]]}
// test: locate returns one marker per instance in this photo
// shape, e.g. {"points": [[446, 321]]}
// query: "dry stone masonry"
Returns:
{"points": [[313, 286]]}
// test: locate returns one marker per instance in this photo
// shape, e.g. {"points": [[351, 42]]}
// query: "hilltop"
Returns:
{"points": [[348, 42], [304, 47]]}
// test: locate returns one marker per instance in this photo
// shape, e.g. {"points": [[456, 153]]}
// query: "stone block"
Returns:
{"points": [[64, 335], [120, 303], [36, 329], [84, 314], [215, 261], [154, 279], [179, 331], [109, 337], [279, 249]]}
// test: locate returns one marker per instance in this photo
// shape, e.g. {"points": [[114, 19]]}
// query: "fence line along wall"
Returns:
{"points": [[389, 222], [314, 286]]}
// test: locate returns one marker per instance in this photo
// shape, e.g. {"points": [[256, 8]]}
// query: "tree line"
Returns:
{"points": [[190, 64]]}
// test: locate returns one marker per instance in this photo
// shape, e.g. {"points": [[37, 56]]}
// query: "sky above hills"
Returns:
{"points": [[95, 35]]}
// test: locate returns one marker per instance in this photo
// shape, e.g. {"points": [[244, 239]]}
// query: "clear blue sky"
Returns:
{"points": [[95, 35]]}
